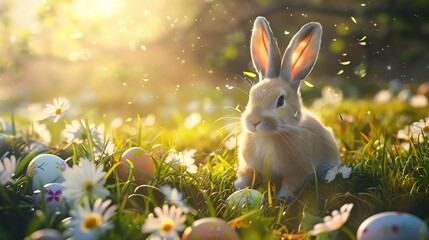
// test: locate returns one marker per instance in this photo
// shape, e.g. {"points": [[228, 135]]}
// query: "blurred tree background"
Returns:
{"points": [[140, 54]]}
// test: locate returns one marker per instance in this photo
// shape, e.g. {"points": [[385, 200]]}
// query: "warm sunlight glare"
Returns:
{"points": [[96, 8]]}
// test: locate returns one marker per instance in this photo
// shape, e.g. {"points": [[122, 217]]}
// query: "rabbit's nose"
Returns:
{"points": [[256, 123]]}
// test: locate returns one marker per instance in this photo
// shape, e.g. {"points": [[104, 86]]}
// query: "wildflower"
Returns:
{"points": [[416, 131], [421, 127], [7, 169], [174, 197], [56, 111], [333, 172], [383, 96], [334, 222], [331, 95], [87, 223], [183, 161], [192, 120], [84, 180], [76, 133], [168, 221], [5, 127], [405, 133], [232, 142], [419, 101], [32, 111], [41, 131], [405, 145]]}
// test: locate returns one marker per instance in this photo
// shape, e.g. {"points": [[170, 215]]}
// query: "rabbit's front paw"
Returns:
{"points": [[241, 183], [285, 193]]}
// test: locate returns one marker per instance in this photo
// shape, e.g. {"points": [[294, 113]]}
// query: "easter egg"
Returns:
{"points": [[392, 225], [143, 165], [52, 196], [46, 234], [241, 197], [210, 229], [46, 168]]}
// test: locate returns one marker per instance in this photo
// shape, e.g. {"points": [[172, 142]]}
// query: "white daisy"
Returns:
{"points": [[174, 197], [416, 131], [182, 161], [42, 132], [420, 128], [87, 223], [7, 169], [404, 145], [405, 133], [75, 132], [334, 222], [168, 221], [56, 111], [84, 180], [333, 172]]}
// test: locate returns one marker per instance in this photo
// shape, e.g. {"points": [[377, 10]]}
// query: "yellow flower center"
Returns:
{"points": [[181, 167], [91, 222], [58, 111], [426, 128], [88, 186], [166, 226]]}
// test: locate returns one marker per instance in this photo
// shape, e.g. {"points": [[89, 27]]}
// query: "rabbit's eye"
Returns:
{"points": [[280, 101]]}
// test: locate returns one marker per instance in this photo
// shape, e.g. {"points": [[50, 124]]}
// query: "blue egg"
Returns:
{"points": [[52, 197], [46, 168]]}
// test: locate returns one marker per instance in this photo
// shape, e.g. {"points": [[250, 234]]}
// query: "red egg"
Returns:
{"points": [[143, 165], [210, 229]]}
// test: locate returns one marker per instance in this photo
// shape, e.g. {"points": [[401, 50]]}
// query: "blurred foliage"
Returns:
{"points": [[65, 47]]}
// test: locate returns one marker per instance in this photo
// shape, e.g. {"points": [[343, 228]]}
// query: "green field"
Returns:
{"points": [[389, 173]]}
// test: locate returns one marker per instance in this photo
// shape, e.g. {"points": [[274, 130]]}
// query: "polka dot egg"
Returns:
{"points": [[391, 226]]}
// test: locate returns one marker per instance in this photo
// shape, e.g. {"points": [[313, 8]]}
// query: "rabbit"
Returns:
{"points": [[280, 140]]}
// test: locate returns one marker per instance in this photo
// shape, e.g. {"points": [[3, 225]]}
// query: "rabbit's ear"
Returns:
{"points": [[301, 54], [264, 49]]}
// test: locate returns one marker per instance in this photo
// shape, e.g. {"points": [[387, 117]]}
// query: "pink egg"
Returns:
{"points": [[44, 234], [392, 225], [210, 229], [143, 165]]}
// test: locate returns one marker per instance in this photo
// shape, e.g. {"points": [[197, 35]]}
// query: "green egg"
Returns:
{"points": [[249, 198]]}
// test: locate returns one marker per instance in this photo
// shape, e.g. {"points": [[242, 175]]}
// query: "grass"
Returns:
{"points": [[385, 176]]}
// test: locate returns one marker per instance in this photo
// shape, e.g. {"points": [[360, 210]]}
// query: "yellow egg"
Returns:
{"points": [[143, 165]]}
